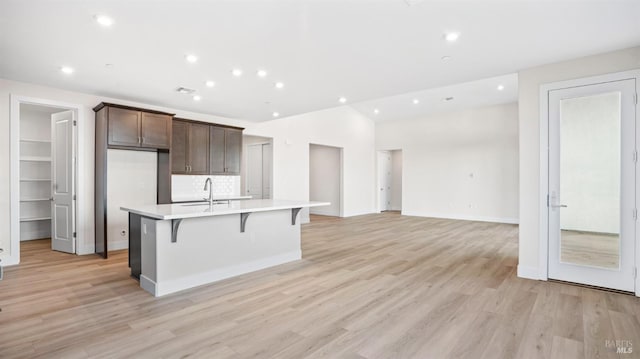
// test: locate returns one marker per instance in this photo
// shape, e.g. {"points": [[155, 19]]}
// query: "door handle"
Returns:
{"points": [[559, 206]]}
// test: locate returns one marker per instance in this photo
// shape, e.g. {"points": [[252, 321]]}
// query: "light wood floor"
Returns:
{"points": [[375, 286]]}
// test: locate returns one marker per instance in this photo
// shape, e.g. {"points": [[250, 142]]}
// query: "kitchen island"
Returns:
{"points": [[186, 245]]}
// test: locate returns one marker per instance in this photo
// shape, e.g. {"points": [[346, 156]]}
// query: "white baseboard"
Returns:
{"points": [[9, 261], [85, 251], [148, 285], [354, 214], [171, 286], [528, 272], [115, 246], [507, 220], [324, 213]]}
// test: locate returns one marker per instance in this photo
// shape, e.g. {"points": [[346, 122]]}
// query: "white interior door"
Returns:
{"points": [[384, 180], [592, 173], [62, 182], [254, 171]]}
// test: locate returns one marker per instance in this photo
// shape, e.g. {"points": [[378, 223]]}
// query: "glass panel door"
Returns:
{"points": [[592, 184]]}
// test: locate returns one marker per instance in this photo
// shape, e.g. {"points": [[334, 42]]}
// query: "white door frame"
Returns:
{"points": [[543, 245], [341, 152], [14, 183], [378, 179], [377, 189]]}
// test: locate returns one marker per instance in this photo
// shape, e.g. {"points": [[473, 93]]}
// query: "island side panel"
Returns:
{"points": [[148, 264], [135, 238], [209, 249]]}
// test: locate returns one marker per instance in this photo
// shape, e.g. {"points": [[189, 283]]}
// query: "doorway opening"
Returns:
{"points": [[43, 181], [325, 179], [390, 180], [257, 167], [589, 164]]}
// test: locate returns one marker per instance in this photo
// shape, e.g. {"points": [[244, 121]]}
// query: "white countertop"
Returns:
{"points": [[194, 210]]}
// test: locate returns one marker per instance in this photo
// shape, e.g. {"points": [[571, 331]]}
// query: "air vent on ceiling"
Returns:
{"points": [[185, 90]]}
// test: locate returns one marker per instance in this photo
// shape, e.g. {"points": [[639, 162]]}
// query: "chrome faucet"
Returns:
{"points": [[209, 186]]}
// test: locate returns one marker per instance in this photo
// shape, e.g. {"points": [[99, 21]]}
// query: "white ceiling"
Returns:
{"points": [[431, 101], [321, 50]]}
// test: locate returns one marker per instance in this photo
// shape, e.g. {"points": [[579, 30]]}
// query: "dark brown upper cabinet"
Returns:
{"points": [[155, 130], [232, 151], [217, 153], [129, 127], [190, 148], [226, 150]]}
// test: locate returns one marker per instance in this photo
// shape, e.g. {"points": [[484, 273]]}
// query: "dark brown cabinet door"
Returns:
{"points": [[198, 149], [216, 143], [232, 151], [124, 127], [179, 150], [155, 130]]}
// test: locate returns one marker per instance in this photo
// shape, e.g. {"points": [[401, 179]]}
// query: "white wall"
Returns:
{"points": [[338, 127], [461, 165], [291, 145], [324, 179], [396, 180], [131, 180], [529, 121]]}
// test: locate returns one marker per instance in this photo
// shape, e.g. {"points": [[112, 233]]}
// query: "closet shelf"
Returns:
{"points": [[34, 140], [35, 200], [35, 159], [33, 219], [35, 179]]}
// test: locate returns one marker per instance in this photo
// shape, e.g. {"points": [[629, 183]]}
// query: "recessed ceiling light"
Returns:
{"points": [[275, 114], [416, 101], [197, 98], [376, 111], [103, 20], [500, 87], [191, 58], [342, 100], [445, 58], [447, 98], [236, 72], [210, 83], [261, 73], [279, 85], [66, 70], [451, 36]]}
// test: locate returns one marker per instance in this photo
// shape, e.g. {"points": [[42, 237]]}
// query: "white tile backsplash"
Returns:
{"points": [[190, 188]]}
